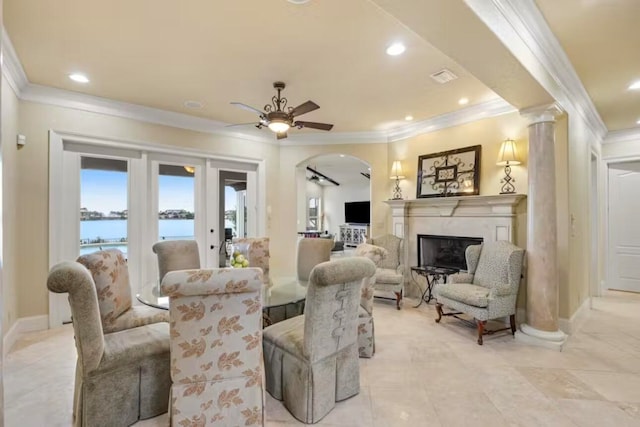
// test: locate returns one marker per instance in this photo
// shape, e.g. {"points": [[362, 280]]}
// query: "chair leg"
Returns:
{"points": [[439, 310], [512, 319], [398, 299], [480, 325]]}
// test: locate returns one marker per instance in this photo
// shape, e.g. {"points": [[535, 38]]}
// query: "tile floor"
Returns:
{"points": [[423, 374]]}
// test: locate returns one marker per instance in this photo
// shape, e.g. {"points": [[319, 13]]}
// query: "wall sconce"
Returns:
{"points": [[508, 156], [396, 173]]}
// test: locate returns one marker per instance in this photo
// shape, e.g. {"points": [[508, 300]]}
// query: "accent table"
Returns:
{"points": [[432, 275]]}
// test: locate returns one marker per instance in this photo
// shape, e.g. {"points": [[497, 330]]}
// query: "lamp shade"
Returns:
{"points": [[396, 170], [508, 154]]}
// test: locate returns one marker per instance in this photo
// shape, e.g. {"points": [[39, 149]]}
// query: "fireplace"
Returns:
{"points": [[444, 251]]}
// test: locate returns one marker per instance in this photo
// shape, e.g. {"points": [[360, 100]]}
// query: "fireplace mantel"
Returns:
{"points": [[495, 217], [499, 204]]}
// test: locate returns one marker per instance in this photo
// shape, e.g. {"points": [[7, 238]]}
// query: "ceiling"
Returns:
{"points": [[329, 51], [602, 40], [215, 52]]}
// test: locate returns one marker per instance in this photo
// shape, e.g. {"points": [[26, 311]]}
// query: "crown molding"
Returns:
{"points": [[26, 91], [469, 114], [79, 101], [623, 135], [522, 28], [11, 65]]}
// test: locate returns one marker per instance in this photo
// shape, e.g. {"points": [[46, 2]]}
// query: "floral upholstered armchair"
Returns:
{"points": [[216, 347], [366, 337], [258, 254], [111, 277], [120, 377], [390, 271], [490, 288]]}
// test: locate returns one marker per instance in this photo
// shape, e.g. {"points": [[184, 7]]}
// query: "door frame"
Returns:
{"points": [[58, 186], [606, 274]]}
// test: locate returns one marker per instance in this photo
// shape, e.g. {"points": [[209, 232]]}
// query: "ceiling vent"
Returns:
{"points": [[443, 76]]}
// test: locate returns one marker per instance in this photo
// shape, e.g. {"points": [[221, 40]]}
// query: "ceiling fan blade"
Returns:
{"points": [[313, 125], [248, 108], [304, 108], [241, 124], [281, 135]]}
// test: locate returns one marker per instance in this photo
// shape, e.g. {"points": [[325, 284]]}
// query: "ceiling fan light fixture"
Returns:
{"points": [[278, 126]]}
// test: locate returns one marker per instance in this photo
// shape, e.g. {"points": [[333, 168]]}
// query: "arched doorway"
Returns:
{"points": [[334, 190]]}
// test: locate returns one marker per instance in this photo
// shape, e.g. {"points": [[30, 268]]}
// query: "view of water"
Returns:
{"points": [[117, 229], [115, 233]]}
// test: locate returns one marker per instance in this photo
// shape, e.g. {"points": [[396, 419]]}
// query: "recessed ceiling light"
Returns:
{"points": [[463, 101], [408, 118], [298, 1], [78, 77], [341, 155], [635, 85], [395, 49], [193, 104], [638, 122]]}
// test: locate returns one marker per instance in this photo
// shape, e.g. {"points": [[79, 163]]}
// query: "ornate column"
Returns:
{"points": [[542, 265]]}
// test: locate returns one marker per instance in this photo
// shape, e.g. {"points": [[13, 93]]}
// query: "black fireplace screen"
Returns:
{"points": [[444, 251]]}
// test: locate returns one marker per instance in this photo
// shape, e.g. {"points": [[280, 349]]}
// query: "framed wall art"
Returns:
{"points": [[449, 173]]}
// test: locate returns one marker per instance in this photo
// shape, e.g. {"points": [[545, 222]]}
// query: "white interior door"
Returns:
{"points": [[624, 227]]}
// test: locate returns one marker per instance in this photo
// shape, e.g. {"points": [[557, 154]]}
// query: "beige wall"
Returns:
{"points": [[283, 256], [9, 205], [580, 143], [35, 120], [488, 133], [28, 174]]}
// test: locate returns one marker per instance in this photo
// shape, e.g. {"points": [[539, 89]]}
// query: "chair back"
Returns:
{"points": [[376, 254], [393, 245], [258, 254], [216, 345], [311, 252], [499, 263], [74, 279], [331, 308], [111, 277], [176, 255]]}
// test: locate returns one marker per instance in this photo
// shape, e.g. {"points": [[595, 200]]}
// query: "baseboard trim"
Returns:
{"points": [[573, 324], [22, 325]]}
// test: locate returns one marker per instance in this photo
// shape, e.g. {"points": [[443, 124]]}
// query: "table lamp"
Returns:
{"points": [[508, 156], [396, 173]]}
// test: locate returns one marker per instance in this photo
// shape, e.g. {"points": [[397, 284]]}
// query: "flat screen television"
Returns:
{"points": [[356, 212]]}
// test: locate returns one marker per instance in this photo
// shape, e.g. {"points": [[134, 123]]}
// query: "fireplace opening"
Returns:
{"points": [[444, 251]]}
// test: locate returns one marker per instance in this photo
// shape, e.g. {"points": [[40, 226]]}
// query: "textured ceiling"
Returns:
{"points": [[602, 40], [161, 54]]}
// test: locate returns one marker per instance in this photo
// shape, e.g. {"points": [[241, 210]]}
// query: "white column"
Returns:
{"points": [[541, 327]]}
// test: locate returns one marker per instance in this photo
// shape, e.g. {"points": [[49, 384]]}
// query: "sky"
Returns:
{"points": [[106, 191]]}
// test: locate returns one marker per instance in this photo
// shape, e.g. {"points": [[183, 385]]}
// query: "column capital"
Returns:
{"points": [[541, 113]]}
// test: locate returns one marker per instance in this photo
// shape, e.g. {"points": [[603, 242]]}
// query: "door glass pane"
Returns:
{"points": [[103, 204], [176, 205]]}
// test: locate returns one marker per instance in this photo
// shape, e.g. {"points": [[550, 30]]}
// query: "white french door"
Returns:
{"points": [[109, 194]]}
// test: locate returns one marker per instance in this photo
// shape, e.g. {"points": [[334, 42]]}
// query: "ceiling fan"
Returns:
{"points": [[280, 118]]}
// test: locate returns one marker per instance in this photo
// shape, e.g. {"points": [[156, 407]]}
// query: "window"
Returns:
{"points": [[313, 214]]}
